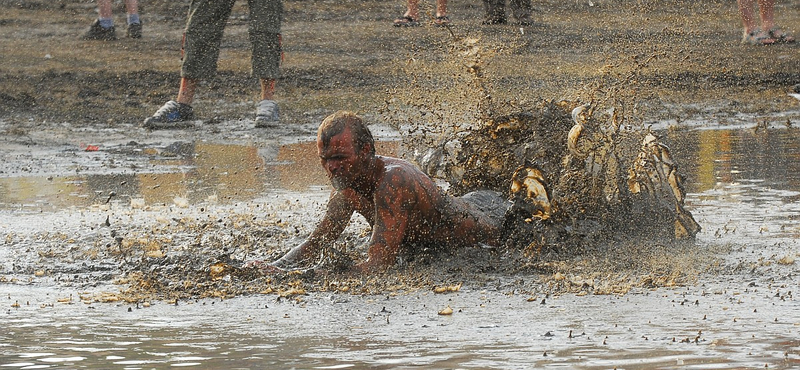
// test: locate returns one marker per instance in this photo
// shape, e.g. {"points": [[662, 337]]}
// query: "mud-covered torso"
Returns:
{"points": [[427, 208]]}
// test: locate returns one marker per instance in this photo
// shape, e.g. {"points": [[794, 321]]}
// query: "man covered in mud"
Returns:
{"points": [[402, 204]]}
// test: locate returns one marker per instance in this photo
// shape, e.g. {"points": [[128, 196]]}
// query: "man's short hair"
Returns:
{"points": [[336, 123]]}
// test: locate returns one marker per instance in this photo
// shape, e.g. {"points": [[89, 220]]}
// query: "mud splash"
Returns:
{"points": [[191, 254]]}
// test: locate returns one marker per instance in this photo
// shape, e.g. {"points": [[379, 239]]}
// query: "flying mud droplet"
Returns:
{"points": [[588, 170]]}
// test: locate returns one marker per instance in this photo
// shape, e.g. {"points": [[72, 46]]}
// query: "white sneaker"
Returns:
{"points": [[171, 115], [267, 114]]}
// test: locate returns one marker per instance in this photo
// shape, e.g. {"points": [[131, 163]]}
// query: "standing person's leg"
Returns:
{"points": [[441, 13], [522, 10], [411, 17], [441, 8], [413, 9], [748, 14], [266, 17], [200, 50], [132, 7], [752, 34], [134, 23], [104, 8], [186, 90], [267, 89], [103, 27], [766, 13], [495, 12], [766, 9], [202, 37]]}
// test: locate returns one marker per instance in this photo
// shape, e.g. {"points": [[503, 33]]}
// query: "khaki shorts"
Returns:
{"points": [[206, 23]]}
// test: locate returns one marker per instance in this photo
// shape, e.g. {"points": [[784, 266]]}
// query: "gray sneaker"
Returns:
{"points": [[171, 115], [267, 114]]}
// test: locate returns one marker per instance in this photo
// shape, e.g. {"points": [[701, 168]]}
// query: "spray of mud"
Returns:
{"points": [[592, 190]]}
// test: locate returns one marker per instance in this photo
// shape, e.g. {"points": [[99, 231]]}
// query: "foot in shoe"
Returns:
{"points": [[135, 30], [97, 32], [267, 113], [171, 115]]}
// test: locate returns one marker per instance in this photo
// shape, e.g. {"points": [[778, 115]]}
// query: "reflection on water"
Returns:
{"points": [[200, 172], [745, 181], [712, 160]]}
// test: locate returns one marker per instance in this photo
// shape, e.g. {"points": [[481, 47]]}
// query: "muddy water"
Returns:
{"points": [[743, 186]]}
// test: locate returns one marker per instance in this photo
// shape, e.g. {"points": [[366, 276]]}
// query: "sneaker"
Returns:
{"points": [[171, 115], [267, 114], [135, 31], [97, 32]]}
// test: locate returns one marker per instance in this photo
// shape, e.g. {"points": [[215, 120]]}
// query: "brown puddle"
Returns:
{"points": [[710, 159], [200, 172]]}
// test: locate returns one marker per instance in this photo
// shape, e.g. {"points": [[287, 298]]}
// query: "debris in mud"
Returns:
{"points": [[447, 289], [446, 311]]}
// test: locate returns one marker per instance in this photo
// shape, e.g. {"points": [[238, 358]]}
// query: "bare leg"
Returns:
{"points": [[104, 7], [747, 12], [186, 92], [132, 6], [267, 89], [413, 9], [441, 8], [766, 11]]}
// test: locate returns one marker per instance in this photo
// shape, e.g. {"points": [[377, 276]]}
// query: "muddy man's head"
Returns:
{"points": [[346, 148]]}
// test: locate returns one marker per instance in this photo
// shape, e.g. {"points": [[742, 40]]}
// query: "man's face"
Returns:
{"points": [[341, 160]]}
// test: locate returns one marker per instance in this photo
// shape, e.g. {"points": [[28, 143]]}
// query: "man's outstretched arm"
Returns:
{"points": [[327, 231]]}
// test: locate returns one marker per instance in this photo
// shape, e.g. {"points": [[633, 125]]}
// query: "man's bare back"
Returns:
{"points": [[401, 203]]}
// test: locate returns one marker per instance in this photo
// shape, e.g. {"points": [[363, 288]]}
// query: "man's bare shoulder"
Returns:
{"points": [[397, 166], [401, 174]]}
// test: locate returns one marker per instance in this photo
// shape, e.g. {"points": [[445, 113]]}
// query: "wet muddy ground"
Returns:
{"points": [[99, 217], [725, 300]]}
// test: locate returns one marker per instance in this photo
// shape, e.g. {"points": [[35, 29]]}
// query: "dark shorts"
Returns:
{"points": [[491, 204]]}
